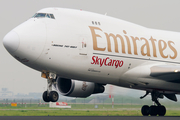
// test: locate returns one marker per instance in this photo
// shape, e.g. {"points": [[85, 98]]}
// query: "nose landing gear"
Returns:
{"points": [[153, 110], [49, 95], [52, 97]]}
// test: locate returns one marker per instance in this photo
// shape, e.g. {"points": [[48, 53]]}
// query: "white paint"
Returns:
{"points": [[36, 50]]}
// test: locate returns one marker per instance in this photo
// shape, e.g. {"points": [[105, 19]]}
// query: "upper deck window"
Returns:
{"points": [[43, 15]]}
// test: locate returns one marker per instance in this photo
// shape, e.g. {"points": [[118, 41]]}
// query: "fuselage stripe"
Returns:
{"points": [[136, 58]]}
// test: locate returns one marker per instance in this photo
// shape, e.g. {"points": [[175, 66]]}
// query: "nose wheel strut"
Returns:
{"points": [[49, 95]]}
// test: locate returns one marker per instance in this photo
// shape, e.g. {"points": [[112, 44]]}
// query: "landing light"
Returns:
{"points": [[175, 71]]}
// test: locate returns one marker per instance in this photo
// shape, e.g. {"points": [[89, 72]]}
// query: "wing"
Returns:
{"points": [[167, 73]]}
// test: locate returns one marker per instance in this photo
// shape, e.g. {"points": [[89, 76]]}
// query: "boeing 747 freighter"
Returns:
{"points": [[80, 52]]}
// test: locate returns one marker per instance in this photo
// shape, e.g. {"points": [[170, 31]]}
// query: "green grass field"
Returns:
{"points": [[77, 110], [77, 113]]}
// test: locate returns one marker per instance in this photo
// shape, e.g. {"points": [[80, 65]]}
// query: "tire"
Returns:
{"points": [[153, 110], [45, 97], [161, 110], [54, 96], [145, 110]]}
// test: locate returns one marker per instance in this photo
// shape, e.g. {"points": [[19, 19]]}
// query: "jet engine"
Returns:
{"points": [[74, 88]]}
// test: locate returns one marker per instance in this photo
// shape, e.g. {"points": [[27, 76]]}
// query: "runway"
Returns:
{"points": [[85, 118], [27, 109]]}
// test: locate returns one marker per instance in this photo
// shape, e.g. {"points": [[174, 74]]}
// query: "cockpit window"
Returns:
{"points": [[40, 15], [48, 16], [52, 16], [43, 15], [34, 15]]}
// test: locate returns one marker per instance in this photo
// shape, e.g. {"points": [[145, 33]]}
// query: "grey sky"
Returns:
{"points": [[159, 14]]}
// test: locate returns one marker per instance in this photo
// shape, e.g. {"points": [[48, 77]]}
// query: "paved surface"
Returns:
{"points": [[119, 109], [29, 109], [87, 118]]}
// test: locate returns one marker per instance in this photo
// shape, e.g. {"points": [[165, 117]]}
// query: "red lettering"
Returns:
{"points": [[109, 64], [121, 63], [93, 58], [113, 62], [95, 61], [117, 63], [101, 62], [106, 61]]}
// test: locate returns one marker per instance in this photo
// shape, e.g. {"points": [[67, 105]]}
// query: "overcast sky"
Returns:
{"points": [[159, 14]]}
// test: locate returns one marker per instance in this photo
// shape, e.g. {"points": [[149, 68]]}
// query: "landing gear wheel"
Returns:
{"points": [[161, 110], [53, 96], [153, 110], [45, 97], [145, 110]]}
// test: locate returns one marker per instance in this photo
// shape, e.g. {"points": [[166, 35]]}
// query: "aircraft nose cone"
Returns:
{"points": [[11, 41]]}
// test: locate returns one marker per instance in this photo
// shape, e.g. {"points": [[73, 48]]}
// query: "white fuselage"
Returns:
{"points": [[96, 48]]}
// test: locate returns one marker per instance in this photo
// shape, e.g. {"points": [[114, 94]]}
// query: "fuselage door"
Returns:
{"points": [[83, 46]]}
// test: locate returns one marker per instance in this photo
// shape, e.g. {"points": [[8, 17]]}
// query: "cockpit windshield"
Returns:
{"points": [[44, 15]]}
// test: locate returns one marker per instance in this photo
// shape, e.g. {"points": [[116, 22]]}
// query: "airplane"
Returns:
{"points": [[80, 52]]}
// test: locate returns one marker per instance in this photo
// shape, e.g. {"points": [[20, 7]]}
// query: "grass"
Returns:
{"points": [[78, 113], [77, 110], [68, 113], [74, 106]]}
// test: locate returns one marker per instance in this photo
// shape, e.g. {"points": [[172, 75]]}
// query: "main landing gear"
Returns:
{"points": [[49, 95], [153, 110]]}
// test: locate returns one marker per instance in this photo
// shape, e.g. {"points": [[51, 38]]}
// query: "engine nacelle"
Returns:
{"points": [[74, 88]]}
